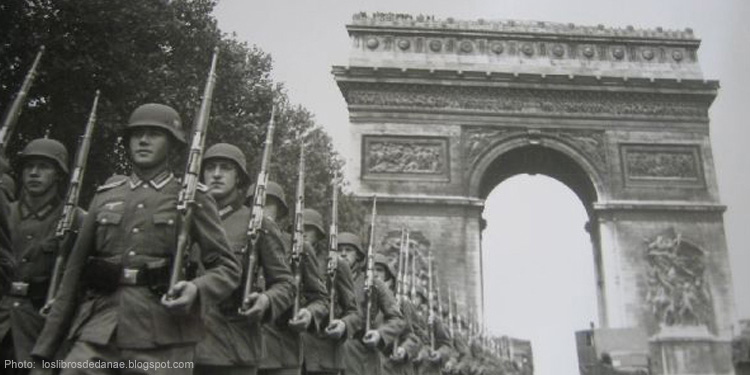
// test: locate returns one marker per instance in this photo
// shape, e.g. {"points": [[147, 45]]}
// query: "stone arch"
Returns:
{"points": [[587, 182]]}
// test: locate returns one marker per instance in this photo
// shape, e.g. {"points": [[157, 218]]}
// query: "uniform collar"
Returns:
{"points": [[227, 210], [26, 210], [157, 182]]}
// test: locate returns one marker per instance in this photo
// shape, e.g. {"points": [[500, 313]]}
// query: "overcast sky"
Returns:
{"points": [[306, 38]]}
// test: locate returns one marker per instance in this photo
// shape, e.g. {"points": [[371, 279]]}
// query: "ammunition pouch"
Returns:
{"points": [[35, 290]]}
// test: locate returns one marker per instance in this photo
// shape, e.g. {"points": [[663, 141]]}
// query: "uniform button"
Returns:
{"points": [[16, 304], [170, 221], [140, 205], [145, 186], [136, 230], [29, 236], [24, 259], [132, 253], [104, 220]]}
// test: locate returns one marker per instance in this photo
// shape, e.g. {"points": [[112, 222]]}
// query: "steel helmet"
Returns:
{"points": [[159, 116], [274, 190], [228, 151], [47, 148], [348, 238], [314, 219], [383, 260]]}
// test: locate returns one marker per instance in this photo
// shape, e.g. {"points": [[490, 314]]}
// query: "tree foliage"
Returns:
{"points": [[142, 51]]}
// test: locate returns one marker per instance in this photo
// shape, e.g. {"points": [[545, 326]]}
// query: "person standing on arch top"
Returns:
{"points": [[401, 357], [111, 302], [32, 224], [234, 343], [363, 351], [282, 335]]}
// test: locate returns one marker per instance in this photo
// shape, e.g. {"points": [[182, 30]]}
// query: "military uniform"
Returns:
{"points": [[131, 228], [361, 360], [284, 346], [442, 346], [322, 354], [34, 250], [233, 344]]}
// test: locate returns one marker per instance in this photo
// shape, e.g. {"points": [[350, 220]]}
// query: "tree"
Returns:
{"points": [[142, 51]]}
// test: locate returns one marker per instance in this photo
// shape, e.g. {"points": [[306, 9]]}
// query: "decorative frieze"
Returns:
{"points": [[677, 289], [656, 164], [525, 101], [591, 143], [405, 158]]}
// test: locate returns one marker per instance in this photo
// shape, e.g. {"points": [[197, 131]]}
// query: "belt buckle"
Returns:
{"points": [[130, 276], [19, 288]]}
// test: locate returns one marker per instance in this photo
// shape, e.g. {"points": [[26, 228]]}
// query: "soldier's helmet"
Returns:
{"points": [[314, 219], [230, 152], [158, 116], [347, 238], [49, 149], [272, 190], [383, 260]]}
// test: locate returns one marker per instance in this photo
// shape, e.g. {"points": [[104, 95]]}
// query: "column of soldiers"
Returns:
{"points": [[248, 297]]}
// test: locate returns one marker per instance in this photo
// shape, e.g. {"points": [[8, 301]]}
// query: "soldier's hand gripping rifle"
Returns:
{"points": [[186, 198], [63, 232], [333, 245], [250, 250], [298, 239], [14, 111], [370, 275]]}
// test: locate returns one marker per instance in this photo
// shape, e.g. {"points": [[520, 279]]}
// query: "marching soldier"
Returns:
{"points": [[430, 360], [323, 348], [7, 265], [234, 343], [408, 343], [283, 335], [33, 219], [363, 355], [111, 301]]}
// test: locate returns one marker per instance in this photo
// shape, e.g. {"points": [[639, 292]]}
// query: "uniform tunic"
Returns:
{"points": [[321, 353], [442, 346], [411, 339], [359, 359], [34, 251], [133, 223], [284, 346], [232, 339]]}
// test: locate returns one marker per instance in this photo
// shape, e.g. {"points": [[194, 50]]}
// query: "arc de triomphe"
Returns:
{"points": [[442, 111]]}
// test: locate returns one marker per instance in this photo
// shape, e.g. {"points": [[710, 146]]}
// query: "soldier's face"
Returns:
{"points": [[38, 176], [149, 147], [348, 253], [311, 235], [380, 272], [221, 176]]}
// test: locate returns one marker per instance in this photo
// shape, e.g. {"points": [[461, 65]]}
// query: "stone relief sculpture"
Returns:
{"points": [[677, 288], [662, 164], [398, 156]]}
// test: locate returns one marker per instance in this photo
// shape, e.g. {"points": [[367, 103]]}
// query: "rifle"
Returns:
{"points": [[65, 224], [250, 250], [370, 275], [186, 198], [430, 307], [450, 311], [10, 120], [413, 279], [399, 279], [333, 244], [438, 295], [298, 240]]}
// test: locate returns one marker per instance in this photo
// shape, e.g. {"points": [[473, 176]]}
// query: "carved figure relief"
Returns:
{"points": [[405, 155], [677, 290], [498, 100], [657, 163]]}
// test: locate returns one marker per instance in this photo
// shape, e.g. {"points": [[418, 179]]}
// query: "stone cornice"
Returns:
{"points": [[422, 23], [423, 199], [659, 206]]}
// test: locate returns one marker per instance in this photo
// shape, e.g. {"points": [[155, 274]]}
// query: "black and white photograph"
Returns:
{"points": [[333, 187]]}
